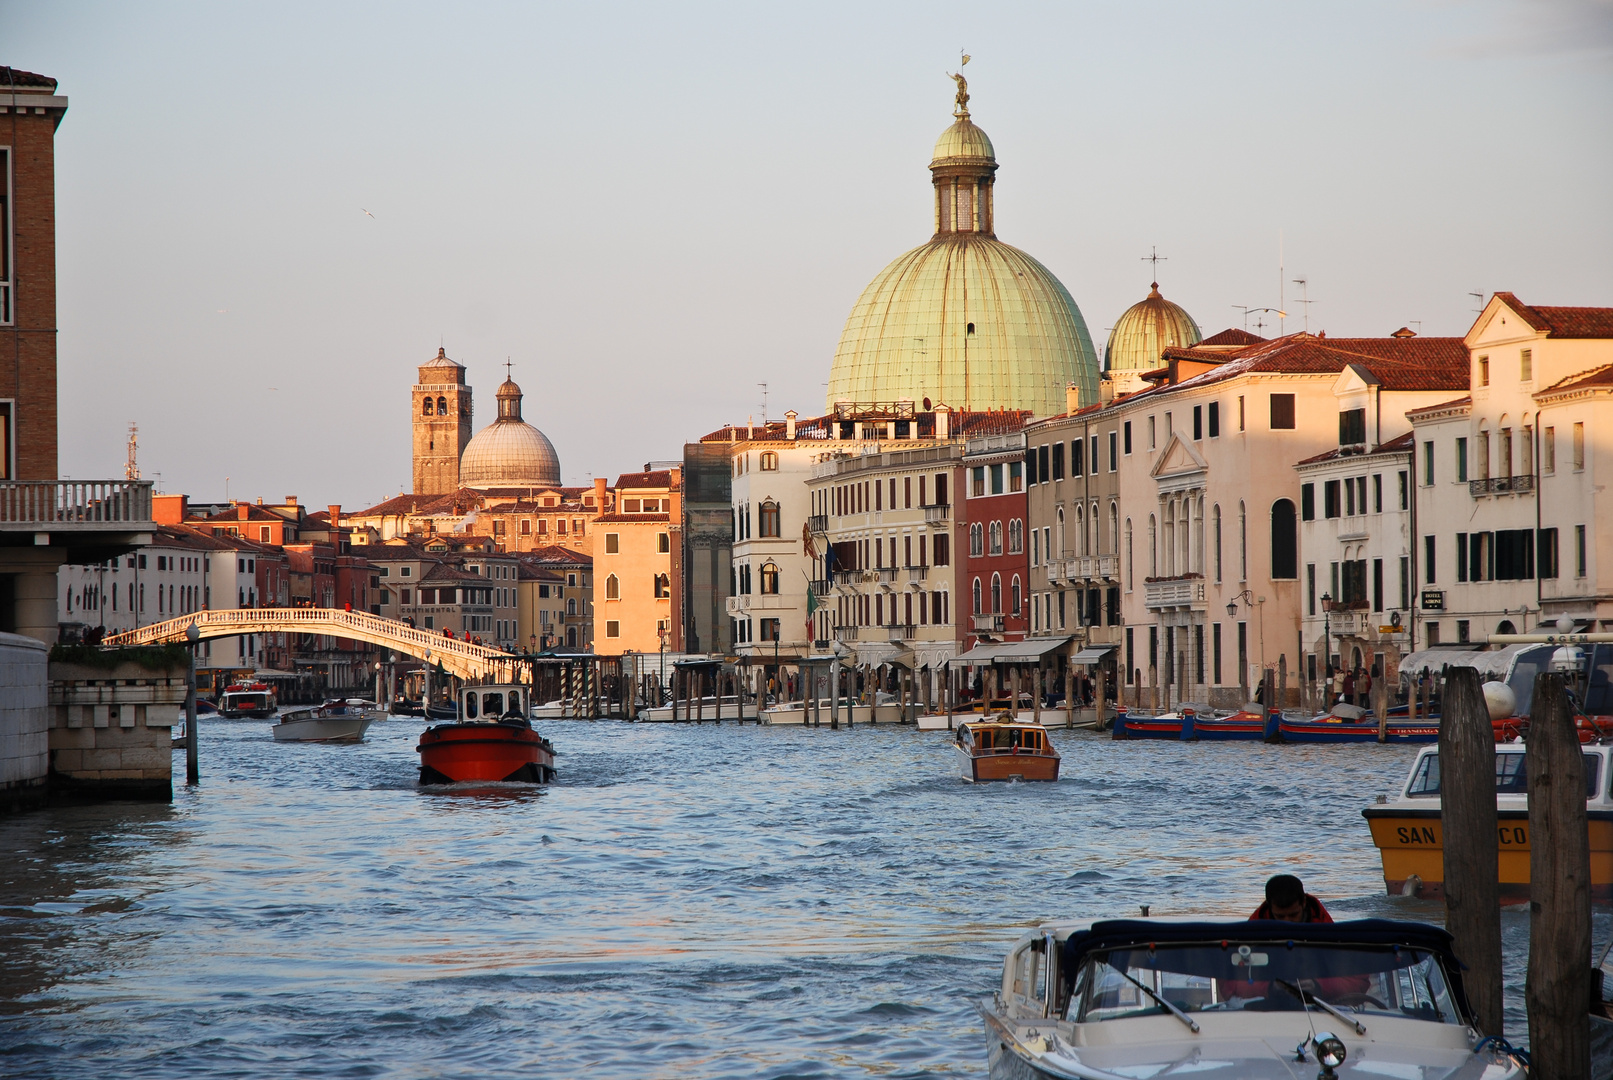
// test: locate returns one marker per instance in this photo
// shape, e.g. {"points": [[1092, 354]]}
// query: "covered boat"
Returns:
{"points": [[1407, 828], [494, 741], [1004, 749], [1230, 1000], [247, 698]]}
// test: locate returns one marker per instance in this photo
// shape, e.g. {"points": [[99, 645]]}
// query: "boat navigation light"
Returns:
{"points": [[1330, 1052]]}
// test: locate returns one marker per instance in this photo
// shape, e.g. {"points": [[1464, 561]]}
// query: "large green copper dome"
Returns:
{"points": [[965, 319]]}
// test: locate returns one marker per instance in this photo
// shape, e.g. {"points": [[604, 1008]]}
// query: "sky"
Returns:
{"points": [[651, 210]]}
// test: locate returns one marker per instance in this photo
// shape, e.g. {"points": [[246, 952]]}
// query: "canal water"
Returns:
{"points": [[687, 901]]}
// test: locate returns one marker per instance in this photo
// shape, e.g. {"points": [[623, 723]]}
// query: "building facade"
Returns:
{"points": [[638, 566]]}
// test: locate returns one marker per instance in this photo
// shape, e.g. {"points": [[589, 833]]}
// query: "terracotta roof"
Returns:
{"points": [[1563, 322], [1231, 336], [1602, 376], [254, 513], [1400, 444], [1453, 403], [182, 536], [659, 479], [559, 555], [631, 518], [528, 572], [1399, 363], [10, 76]]}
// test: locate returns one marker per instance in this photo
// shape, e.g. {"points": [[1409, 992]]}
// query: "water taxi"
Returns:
{"points": [[1004, 749], [1156, 997], [248, 698], [493, 742], [1407, 829], [332, 722]]}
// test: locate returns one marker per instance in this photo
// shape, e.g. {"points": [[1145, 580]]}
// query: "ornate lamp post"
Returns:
{"points": [[1327, 633]]}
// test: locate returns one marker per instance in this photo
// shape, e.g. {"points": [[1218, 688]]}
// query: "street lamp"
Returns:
{"points": [[1327, 633]]}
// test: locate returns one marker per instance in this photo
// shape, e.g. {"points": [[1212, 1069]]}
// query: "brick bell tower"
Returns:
{"points": [[442, 417]]}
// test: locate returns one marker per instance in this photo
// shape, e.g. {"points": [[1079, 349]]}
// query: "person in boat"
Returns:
{"points": [[1287, 901]]}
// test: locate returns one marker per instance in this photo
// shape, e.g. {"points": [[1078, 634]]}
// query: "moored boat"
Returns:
{"points": [[1152, 997], [493, 742], [333, 722], [1351, 723], [1408, 832], [1004, 749], [247, 698]]}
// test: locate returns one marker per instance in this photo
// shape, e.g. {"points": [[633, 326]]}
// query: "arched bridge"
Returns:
{"points": [[461, 658]]}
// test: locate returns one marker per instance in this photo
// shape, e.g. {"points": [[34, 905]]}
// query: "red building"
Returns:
{"points": [[995, 568]]}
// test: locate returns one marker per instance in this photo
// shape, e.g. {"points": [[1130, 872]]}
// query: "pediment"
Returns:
{"points": [[1179, 457], [1499, 324]]}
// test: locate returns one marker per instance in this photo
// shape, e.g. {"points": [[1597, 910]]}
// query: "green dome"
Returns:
{"points": [[1146, 330]]}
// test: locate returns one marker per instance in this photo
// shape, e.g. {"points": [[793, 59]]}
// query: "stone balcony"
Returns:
{"points": [[938, 516], [1177, 592], [987, 624], [1501, 485], [739, 605]]}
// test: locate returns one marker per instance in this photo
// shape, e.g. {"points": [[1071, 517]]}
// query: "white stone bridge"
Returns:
{"points": [[462, 658]]}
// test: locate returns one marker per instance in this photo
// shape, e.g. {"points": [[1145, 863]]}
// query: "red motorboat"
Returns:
{"points": [[493, 741]]}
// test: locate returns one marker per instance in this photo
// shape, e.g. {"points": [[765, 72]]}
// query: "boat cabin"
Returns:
{"points": [[986, 738], [491, 704]]}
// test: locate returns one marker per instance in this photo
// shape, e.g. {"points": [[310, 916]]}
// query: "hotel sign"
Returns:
{"points": [[1433, 600]]}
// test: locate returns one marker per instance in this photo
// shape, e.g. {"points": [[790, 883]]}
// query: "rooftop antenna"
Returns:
{"points": [[1246, 310], [1155, 258], [1418, 323], [764, 402], [1282, 285], [131, 471], [1480, 298], [1305, 299]]}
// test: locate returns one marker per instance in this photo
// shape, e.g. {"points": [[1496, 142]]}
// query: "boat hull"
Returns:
{"points": [[456, 753], [330, 729], [1024, 765], [1411, 840], [1333, 731]]}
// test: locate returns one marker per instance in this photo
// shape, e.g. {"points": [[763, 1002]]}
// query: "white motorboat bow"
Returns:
{"points": [[1131, 998], [336, 722]]}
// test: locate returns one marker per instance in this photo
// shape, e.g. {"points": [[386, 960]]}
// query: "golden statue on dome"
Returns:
{"points": [[961, 109]]}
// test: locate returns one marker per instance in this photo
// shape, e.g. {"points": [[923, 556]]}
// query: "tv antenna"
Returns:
{"points": [[1480, 298], [1305, 293], [1155, 258], [764, 402]]}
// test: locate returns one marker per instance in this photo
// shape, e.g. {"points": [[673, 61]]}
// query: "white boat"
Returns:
{"points": [[705, 708], [1155, 997], [335, 723]]}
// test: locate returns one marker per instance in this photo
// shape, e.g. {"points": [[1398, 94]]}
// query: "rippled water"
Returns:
{"points": [[685, 902]]}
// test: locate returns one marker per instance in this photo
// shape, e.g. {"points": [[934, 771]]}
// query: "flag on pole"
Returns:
{"points": [[812, 606]]}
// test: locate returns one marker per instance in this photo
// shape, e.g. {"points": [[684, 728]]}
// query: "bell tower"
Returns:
{"points": [[442, 416]]}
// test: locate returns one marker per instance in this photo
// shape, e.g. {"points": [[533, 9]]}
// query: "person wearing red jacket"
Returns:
{"points": [[1287, 901]]}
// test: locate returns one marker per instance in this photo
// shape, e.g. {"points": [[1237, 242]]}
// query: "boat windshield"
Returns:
{"points": [[1263, 976], [1511, 775]]}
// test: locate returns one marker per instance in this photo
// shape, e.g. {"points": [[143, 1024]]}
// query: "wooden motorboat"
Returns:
{"points": [[1158, 997], [1004, 749], [1407, 827], [333, 722], [493, 742], [247, 698]]}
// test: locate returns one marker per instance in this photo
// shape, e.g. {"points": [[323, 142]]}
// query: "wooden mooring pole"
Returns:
{"points": [[1558, 988], [1468, 823]]}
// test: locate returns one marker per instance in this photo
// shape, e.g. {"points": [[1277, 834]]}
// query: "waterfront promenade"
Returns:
{"points": [[685, 902]]}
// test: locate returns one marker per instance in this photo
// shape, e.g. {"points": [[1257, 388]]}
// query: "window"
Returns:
{"points": [[1284, 540], [977, 608], [613, 628], [1429, 574], [428, 407], [613, 543], [1405, 582], [977, 541], [1153, 441], [1432, 630], [977, 481], [1058, 460], [996, 594], [1243, 542], [996, 479], [1377, 493], [442, 406], [1461, 460], [943, 550], [1307, 502], [770, 579], [1579, 551], [1377, 584], [1092, 458], [1113, 464], [1548, 450], [1240, 412], [1352, 427], [1217, 515], [1462, 631], [1282, 412], [1126, 430], [1016, 536], [1036, 548], [663, 543], [1014, 480], [1077, 458], [770, 630], [996, 533], [1526, 365], [1579, 447], [768, 520], [1310, 588], [1548, 553], [663, 587], [1014, 594], [769, 461], [1484, 371]]}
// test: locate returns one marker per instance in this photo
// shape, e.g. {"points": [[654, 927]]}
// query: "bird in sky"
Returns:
{"points": [[367, 213]]}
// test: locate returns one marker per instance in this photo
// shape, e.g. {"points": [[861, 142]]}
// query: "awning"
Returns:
{"points": [[1093, 654], [875, 653], [1011, 652], [980, 654]]}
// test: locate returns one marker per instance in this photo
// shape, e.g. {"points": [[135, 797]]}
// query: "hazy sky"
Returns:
{"points": [[652, 209]]}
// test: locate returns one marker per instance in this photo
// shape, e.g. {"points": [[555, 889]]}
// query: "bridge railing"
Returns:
{"points": [[75, 502]]}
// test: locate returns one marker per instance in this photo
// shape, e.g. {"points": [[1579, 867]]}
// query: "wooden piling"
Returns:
{"points": [[1098, 702], [1468, 823], [1558, 987]]}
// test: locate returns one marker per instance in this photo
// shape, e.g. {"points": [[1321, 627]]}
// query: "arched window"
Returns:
{"points": [[1016, 536], [1095, 525], [1060, 535], [427, 408], [996, 594], [977, 545], [663, 587], [1013, 594], [613, 588], [770, 578], [1284, 540], [1114, 528], [442, 406], [1080, 530], [1506, 627], [978, 608], [768, 519], [769, 461], [996, 538]]}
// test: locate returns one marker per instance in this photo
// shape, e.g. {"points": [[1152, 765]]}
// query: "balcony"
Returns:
{"points": [[938, 517], [916, 574], [1177, 592], [820, 588], [1091, 568], [902, 632], [846, 633], [1501, 485], [818, 523], [986, 624]]}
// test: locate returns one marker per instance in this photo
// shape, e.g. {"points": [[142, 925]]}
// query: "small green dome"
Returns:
{"points": [[1146, 330]]}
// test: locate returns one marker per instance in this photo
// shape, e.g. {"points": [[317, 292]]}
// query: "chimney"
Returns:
{"points": [[599, 494], [169, 509], [943, 422], [1106, 391], [335, 515], [750, 428], [789, 424], [291, 500], [241, 511], [675, 514], [260, 500], [1072, 399]]}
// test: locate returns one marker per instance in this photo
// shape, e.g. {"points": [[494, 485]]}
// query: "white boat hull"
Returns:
{"points": [[330, 729], [700, 709]]}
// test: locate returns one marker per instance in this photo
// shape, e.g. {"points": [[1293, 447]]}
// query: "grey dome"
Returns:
{"points": [[509, 452]]}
